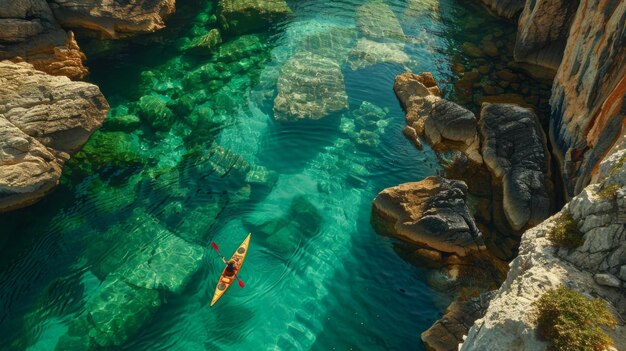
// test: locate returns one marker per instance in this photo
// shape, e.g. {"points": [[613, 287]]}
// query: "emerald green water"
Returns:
{"points": [[118, 255]]}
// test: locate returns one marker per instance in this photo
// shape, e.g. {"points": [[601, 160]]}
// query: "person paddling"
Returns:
{"points": [[231, 266]]}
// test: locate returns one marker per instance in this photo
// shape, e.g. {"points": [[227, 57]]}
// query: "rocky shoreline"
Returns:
{"points": [[507, 144]]}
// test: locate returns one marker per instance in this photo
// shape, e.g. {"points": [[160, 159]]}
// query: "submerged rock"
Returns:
{"points": [[333, 43], [505, 8], [113, 19], [153, 109], [205, 44], [375, 19], [43, 120], [244, 16], [309, 87], [515, 151], [431, 213], [368, 52]]}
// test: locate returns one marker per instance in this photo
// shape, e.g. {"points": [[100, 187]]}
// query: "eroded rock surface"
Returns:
{"points": [[113, 19], [431, 213], [589, 91], [542, 31], [309, 87], [43, 120], [514, 149], [31, 33]]}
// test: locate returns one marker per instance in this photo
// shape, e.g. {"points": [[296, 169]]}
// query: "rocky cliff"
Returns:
{"points": [[43, 120]]}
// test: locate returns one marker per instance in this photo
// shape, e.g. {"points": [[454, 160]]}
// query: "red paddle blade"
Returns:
{"points": [[215, 246], [241, 283]]}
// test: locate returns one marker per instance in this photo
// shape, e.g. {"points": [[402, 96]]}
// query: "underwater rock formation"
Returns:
{"points": [[44, 120], [589, 91], [431, 213], [334, 43], [514, 149], [244, 16], [505, 8], [542, 31], [368, 52], [30, 32], [309, 87], [376, 20], [113, 19], [599, 213]]}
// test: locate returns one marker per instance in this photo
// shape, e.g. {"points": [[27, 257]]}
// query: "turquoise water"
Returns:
{"points": [[119, 254]]}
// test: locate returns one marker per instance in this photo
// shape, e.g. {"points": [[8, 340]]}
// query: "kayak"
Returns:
{"points": [[226, 281]]}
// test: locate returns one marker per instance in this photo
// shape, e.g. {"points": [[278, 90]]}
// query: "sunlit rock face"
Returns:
{"points": [[309, 87], [43, 120], [514, 149], [589, 91], [113, 19], [505, 8], [31, 33], [542, 31]]}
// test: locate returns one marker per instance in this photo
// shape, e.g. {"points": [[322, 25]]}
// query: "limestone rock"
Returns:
{"points": [[243, 16], [368, 52], [588, 92], [505, 8], [514, 149], [43, 120], [542, 31], [31, 33], [431, 213], [375, 19], [309, 87], [113, 19], [445, 125]]}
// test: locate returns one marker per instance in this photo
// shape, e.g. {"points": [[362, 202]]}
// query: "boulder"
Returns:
{"points": [[445, 125], [376, 20], [514, 149], [43, 120], [589, 90], [244, 16], [31, 33], [333, 43], [505, 8], [542, 31], [309, 87], [431, 213], [368, 53], [112, 19]]}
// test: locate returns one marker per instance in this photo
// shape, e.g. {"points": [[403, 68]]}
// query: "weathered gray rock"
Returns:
{"points": [[514, 149], [542, 31], [43, 120], [309, 87], [375, 19], [607, 280], [30, 32], [243, 16], [601, 216], [505, 8], [445, 125], [113, 19], [368, 53], [588, 92], [430, 213]]}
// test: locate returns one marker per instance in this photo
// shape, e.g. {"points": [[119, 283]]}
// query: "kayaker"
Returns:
{"points": [[231, 266]]}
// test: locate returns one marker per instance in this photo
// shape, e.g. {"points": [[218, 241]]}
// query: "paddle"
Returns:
{"points": [[218, 251]]}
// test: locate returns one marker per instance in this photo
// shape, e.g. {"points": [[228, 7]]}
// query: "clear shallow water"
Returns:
{"points": [[215, 167]]}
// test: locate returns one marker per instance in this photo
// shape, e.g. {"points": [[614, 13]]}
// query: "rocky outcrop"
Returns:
{"points": [[31, 33], [243, 16], [542, 31], [309, 87], [445, 125], [112, 19], [43, 120], [514, 149], [599, 213], [505, 8], [589, 91], [431, 213]]}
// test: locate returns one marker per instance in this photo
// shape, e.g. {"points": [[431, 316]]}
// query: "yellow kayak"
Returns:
{"points": [[225, 281]]}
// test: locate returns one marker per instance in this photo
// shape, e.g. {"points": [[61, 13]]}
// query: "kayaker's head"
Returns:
{"points": [[231, 262]]}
